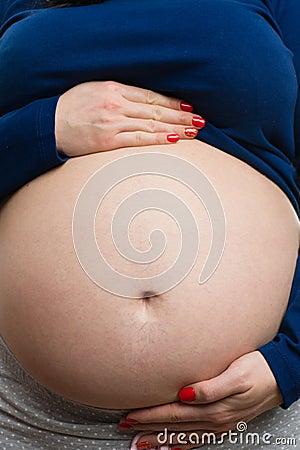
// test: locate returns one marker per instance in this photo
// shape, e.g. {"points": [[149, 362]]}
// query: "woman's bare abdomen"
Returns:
{"points": [[96, 347]]}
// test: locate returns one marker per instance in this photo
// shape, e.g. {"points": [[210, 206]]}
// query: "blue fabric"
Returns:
{"points": [[237, 61], [27, 146]]}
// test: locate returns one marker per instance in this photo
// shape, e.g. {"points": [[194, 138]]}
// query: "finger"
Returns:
{"points": [[140, 95], [146, 442], [232, 381], [206, 416], [178, 441], [140, 437], [162, 114], [179, 427], [151, 126], [170, 413], [216, 420], [141, 138]]}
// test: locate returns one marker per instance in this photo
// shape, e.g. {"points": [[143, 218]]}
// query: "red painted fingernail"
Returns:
{"points": [[198, 122], [191, 132], [177, 448], [126, 426], [186, 107], [144, 445], [173, 137], [133, 421], [187, 394]]}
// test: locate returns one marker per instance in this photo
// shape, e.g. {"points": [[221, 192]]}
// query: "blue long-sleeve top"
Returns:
{"points": [[236, 61]]}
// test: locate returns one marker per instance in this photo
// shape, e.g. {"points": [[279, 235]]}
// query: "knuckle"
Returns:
{"points": [[242, 378], [206, 394], [112, 104], [173, 427], [111, 85], [105, 123], [151, 97], [156, 113], [138, 138], [173, 417], [151, 126], [102, 120]]}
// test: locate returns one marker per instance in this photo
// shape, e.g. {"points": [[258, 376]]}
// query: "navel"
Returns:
{"points": [[148, 295]]}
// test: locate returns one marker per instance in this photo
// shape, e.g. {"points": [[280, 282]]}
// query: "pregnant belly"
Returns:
{"points": [[132, 331]]}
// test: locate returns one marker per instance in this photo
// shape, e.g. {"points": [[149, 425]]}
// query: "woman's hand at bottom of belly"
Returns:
{"points": [[246, 389]]}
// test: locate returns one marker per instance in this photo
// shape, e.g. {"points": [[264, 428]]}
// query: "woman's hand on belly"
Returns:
{"points": [[98, 116], [246, 389]]}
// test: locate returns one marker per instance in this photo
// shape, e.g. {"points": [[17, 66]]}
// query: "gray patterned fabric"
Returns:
{"points": [[33, 418]]}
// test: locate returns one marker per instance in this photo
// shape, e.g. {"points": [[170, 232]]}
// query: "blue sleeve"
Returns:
{"points": [[288, 14], [27, 145], [27, 139], [283, 353]]}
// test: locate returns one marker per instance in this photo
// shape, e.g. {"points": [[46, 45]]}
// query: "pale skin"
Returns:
{"points": [[103, 116]]}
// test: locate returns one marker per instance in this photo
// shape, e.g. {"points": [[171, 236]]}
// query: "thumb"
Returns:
{"points": [[230, 382]]}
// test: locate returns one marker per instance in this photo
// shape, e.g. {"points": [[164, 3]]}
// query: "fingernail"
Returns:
{"points": [[187, 394], [186, 107], [191, 132], [173, 137], [126, 426], [133, 421], [144, 445], [198, 122], [177, 448]]}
